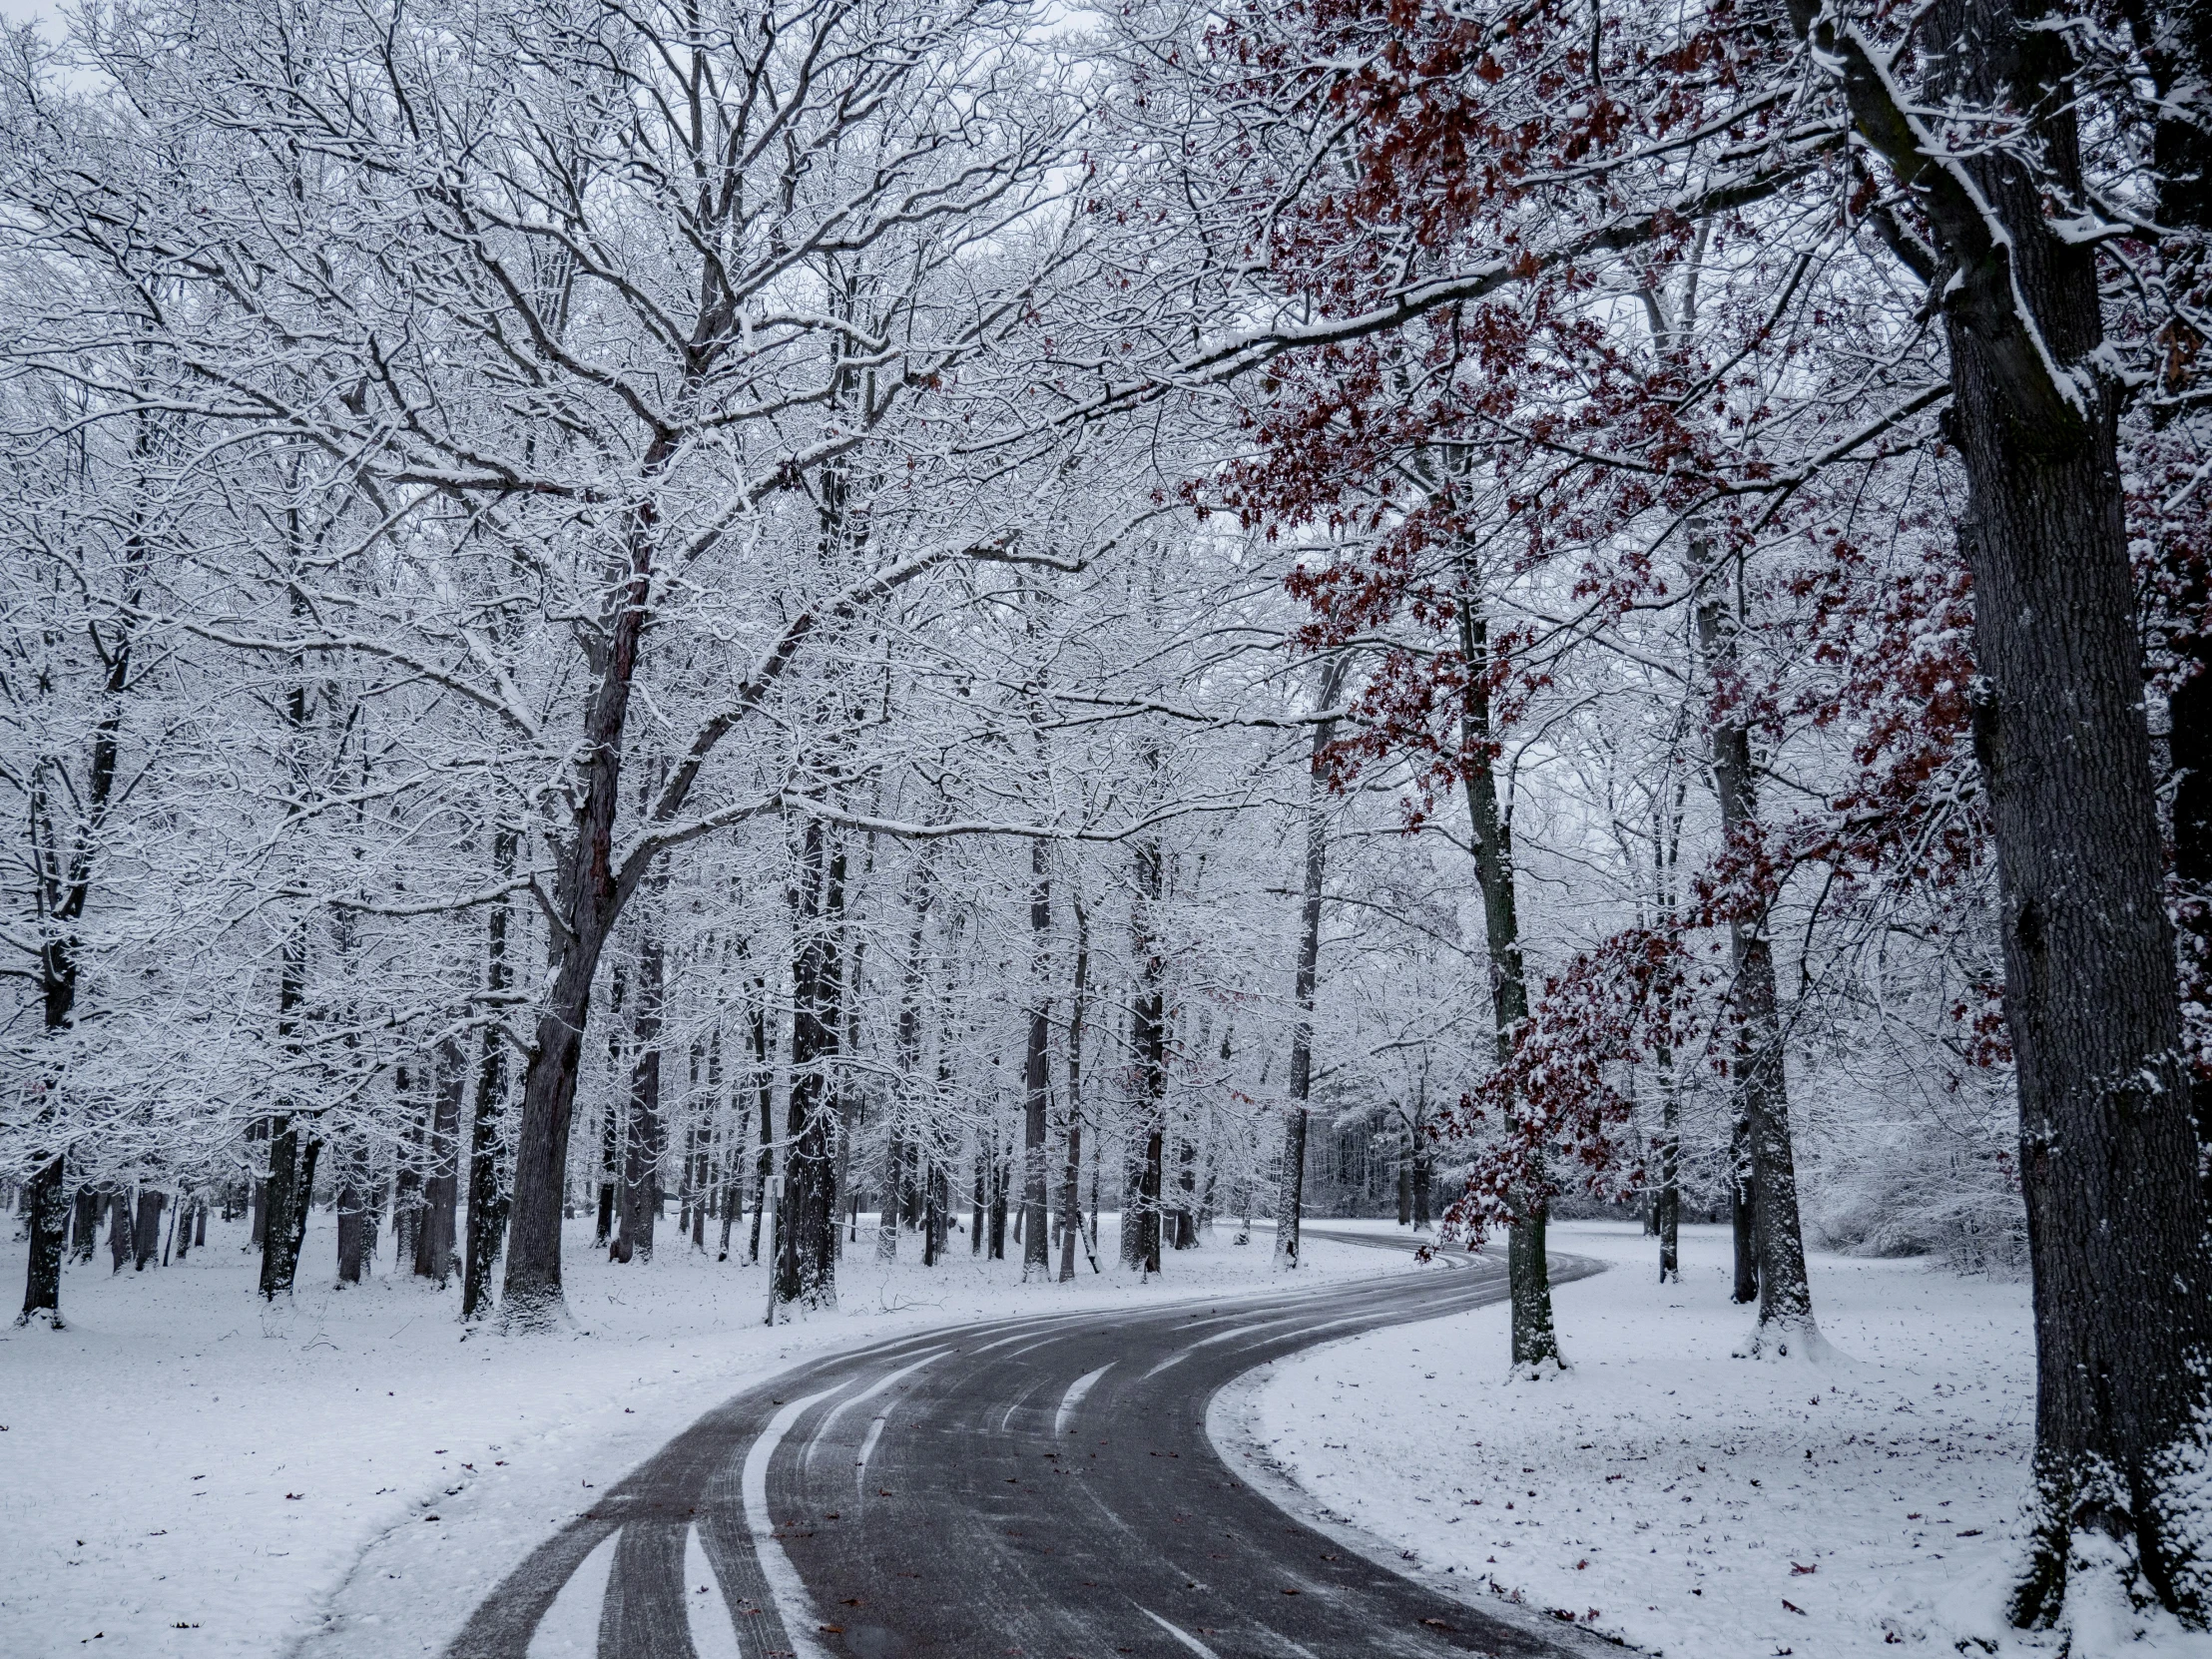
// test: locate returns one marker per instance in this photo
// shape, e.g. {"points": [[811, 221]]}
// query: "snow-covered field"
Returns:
{"points": [[1663, 1491], [184, 1472]]}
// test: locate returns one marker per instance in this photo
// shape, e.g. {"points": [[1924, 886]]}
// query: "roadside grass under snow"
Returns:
{"points": [[186, 1471], [1689, 1503]]}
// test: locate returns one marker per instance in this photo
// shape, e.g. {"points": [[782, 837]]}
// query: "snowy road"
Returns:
{"points": [[1042, 1487]]}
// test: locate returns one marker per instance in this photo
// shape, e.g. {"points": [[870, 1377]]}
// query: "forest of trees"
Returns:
{"points": [[869, 626]]}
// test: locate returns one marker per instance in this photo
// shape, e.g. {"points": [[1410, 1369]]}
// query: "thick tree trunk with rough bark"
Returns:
{"points": [[2108, 1134], [45, 1210], [84, 1226], [2108, 1147], [2107, 1138], [292, 1161], [145, 1229]]}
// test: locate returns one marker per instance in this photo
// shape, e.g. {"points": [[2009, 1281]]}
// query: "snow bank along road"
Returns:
{"points": [[1034, 1486]]}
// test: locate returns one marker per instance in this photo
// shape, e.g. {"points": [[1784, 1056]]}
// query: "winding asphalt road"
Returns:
{"points": [[1042, 1487]]}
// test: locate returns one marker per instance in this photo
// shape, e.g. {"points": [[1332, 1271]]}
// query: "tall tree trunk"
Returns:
{"points": [[975, 1207], [1667, 1216], [732, 1192], [2108, 1147], [1185, 1191], [850, 1103], [641, 1152], [936, 1214], [286, 1206], [997, 1178], [2115, 1216], [699, 1177], [610, 1171], [1291, 1190], [65, 886], [2176, 46], [898, 1180], [1148, 1044], [1667, 1213], [292, 1161], [84, 1229], [1536, 1341], [586, 899], [407, 1195], [145, 1230], [355, 1195], [807, 1255], [120, 1229], [1759, 1090], [1036, 1070], [1071, 1200], [487, 1198], [764, 1085], [434, 1243], [46, 1208]]}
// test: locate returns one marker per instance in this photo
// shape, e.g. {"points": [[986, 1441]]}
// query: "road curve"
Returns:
{"points": [[1036, 1486]]}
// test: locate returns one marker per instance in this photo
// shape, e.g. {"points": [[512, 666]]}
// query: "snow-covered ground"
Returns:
{"points": [[1690, 1502], [186, 1471]]}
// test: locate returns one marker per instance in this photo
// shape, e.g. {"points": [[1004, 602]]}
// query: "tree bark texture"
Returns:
{"points": [[1036, 1070], [292, 1161], [64, 877], [1667, 1208], [585, 898], [1536, 1340], [2108, 1152], [2176, 45], [145, 1229], [641, 1144], [84, 1229], [355, 1195], [435, 1241], [2107, 1133], [46, 1208], [487, 1197], [1148, 1041], [806, 1257], [119, 1231], [1071, 1201], [1759, 1090]]}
